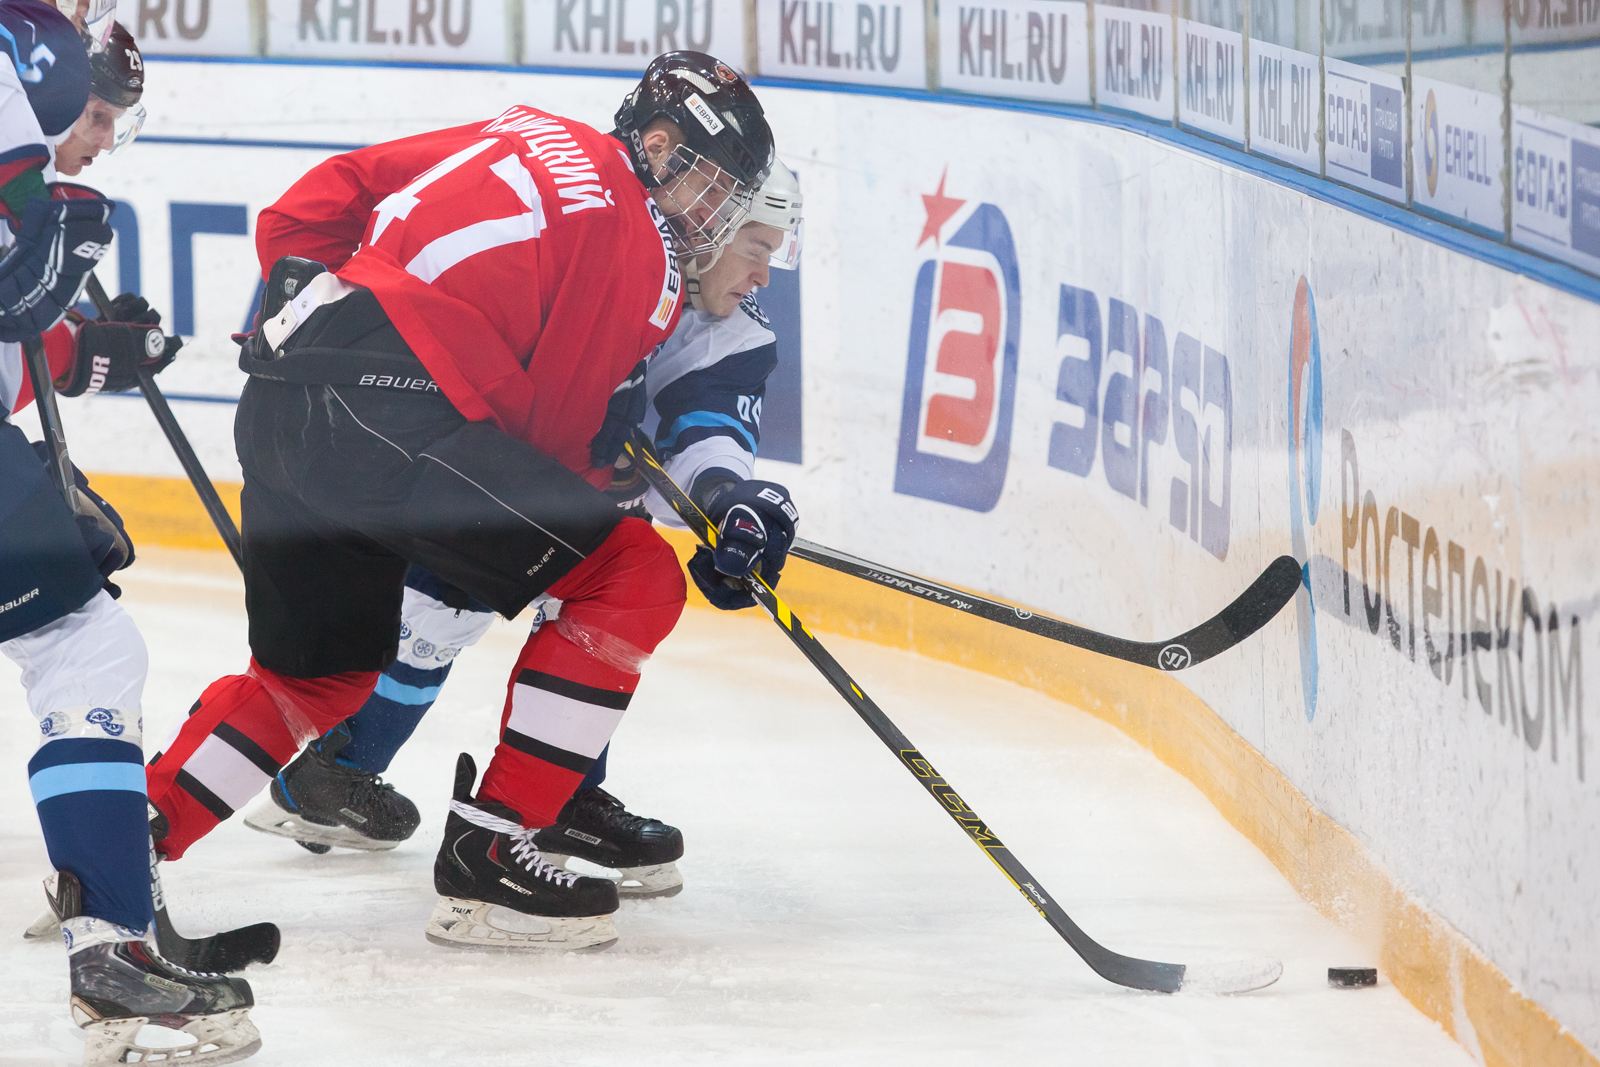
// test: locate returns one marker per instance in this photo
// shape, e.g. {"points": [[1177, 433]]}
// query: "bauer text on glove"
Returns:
{"points": [[58, 243]]}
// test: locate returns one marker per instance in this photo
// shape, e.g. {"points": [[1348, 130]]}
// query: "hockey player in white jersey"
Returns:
{"points": [[699, 399], [83, 662]]}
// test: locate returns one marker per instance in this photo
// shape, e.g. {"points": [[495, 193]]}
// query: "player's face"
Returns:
{"points": [[741, 269], [93, 133], [701, 202]]}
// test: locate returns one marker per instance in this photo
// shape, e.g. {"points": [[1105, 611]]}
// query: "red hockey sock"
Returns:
{"points": [[575, 676], [239, 734]]}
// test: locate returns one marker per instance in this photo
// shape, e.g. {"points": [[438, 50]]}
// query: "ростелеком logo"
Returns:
{"points": [[961, 369], [1305, 472]]}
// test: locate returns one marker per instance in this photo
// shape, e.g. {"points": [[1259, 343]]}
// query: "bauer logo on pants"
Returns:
{"points": [[961, 369]]}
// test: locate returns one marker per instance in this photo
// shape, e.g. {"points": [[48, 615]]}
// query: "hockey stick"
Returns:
{"points": [[1112, 966], [44, 399], [1253, 609], [219, 953], [224, 953], [179, 442]]}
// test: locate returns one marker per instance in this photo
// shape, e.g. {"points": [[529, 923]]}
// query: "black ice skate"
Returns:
{"points": [[120, 984], [497, 891], [220, 953], [322, 803], [596, 828]]}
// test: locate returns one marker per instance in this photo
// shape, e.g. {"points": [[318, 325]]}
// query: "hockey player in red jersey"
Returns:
{"points": [[431, 398]]}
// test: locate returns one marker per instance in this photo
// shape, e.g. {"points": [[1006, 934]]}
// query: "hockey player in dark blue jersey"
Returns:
{"points": [[82, 660], [699, 398]]}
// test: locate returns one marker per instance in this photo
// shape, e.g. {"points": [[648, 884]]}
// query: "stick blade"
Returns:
{"points": [[1239, 976]]}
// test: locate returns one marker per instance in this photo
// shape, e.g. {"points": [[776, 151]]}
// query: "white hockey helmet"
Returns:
{"points": [[778, 203], [93, 19]]}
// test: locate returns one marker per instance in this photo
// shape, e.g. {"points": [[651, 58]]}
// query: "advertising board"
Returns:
{"points": [[189, 27], [830, 40], [1285, 107], [1037, 49], [1457, 153], [444, 31], [1135, 61], [1364, 123], [627, 34], [1211, 80]]}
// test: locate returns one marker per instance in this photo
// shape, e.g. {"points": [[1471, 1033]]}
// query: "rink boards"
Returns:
{"points": [[1108, 378]]}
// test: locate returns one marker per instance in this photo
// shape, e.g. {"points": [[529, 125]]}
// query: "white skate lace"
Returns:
{"points": [[522, 847]]}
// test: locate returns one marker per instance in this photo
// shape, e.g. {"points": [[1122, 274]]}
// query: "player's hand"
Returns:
{"points": [[624, 411], [101, 527], [755, 526], [58, 242], [109, 355]]}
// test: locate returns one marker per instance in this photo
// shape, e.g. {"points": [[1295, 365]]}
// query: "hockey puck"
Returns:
{"points": [[1352, 977]]}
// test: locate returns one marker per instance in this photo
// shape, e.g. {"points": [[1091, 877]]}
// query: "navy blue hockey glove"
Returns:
{"points": [[104, 534], [58, 244], [624, 411], [755, 527], [109, 355]]}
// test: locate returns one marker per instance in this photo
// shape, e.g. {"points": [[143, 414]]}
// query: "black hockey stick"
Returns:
{"points": [[1253, 609], [44, 400], [223, 953], [219, 953], [61, 471], [1112, 966], [179, 442]]}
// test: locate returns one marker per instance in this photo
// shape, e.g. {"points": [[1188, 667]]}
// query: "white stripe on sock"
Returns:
{"points": [[222, 769], [568, 724]]}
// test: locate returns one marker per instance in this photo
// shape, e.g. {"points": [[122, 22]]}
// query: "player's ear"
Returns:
{"points": [[660, 138]]}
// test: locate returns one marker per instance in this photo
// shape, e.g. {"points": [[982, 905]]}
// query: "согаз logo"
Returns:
{"points": [[961, 370]]}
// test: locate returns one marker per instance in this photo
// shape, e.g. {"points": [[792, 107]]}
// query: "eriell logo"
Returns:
{"points": [[961, 367]]}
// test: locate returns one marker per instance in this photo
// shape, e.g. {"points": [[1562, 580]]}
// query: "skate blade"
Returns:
{"points": [[46, 925], [637, 883], [226, 1037], [271, 819], [457, 923]]}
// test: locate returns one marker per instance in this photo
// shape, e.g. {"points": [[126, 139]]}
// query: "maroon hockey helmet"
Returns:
{"points": [[713, 106]]}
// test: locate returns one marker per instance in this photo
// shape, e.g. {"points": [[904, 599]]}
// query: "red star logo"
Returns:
{"points": [[939, 208]]}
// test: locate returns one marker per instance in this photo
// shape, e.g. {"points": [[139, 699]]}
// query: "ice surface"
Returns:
{"points": [[830, 914]]}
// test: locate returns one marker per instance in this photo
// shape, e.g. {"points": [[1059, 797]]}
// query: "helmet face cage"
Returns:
{"points": [[703, 205]]}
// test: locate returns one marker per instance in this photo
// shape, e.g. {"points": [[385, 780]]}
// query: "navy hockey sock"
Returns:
{"points": [[390, 715], [90, 794], [597, 773]]}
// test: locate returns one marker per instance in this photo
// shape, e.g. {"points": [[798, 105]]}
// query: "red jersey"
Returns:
{"points": [[60, 348], [521, 259]]}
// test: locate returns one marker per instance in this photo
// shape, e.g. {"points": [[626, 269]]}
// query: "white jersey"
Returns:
{"points": [[705, 386]]}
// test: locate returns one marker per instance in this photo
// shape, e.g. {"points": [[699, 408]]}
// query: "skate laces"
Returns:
{"points": [[609, 810], [522, 847]]}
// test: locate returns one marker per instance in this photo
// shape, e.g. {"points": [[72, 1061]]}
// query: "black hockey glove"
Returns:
{"points": [[58, 244], [624, 411], [755, 527], [109, 355], [102, 530]]}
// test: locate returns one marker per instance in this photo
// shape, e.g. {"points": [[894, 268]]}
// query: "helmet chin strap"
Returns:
{"points": [[691, 269]]}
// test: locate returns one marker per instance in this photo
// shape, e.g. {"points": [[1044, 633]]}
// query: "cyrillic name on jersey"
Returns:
{"points": [[553, 146]]}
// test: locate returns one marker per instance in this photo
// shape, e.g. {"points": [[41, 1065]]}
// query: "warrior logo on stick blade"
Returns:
{"points": [[1174, 658]]}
